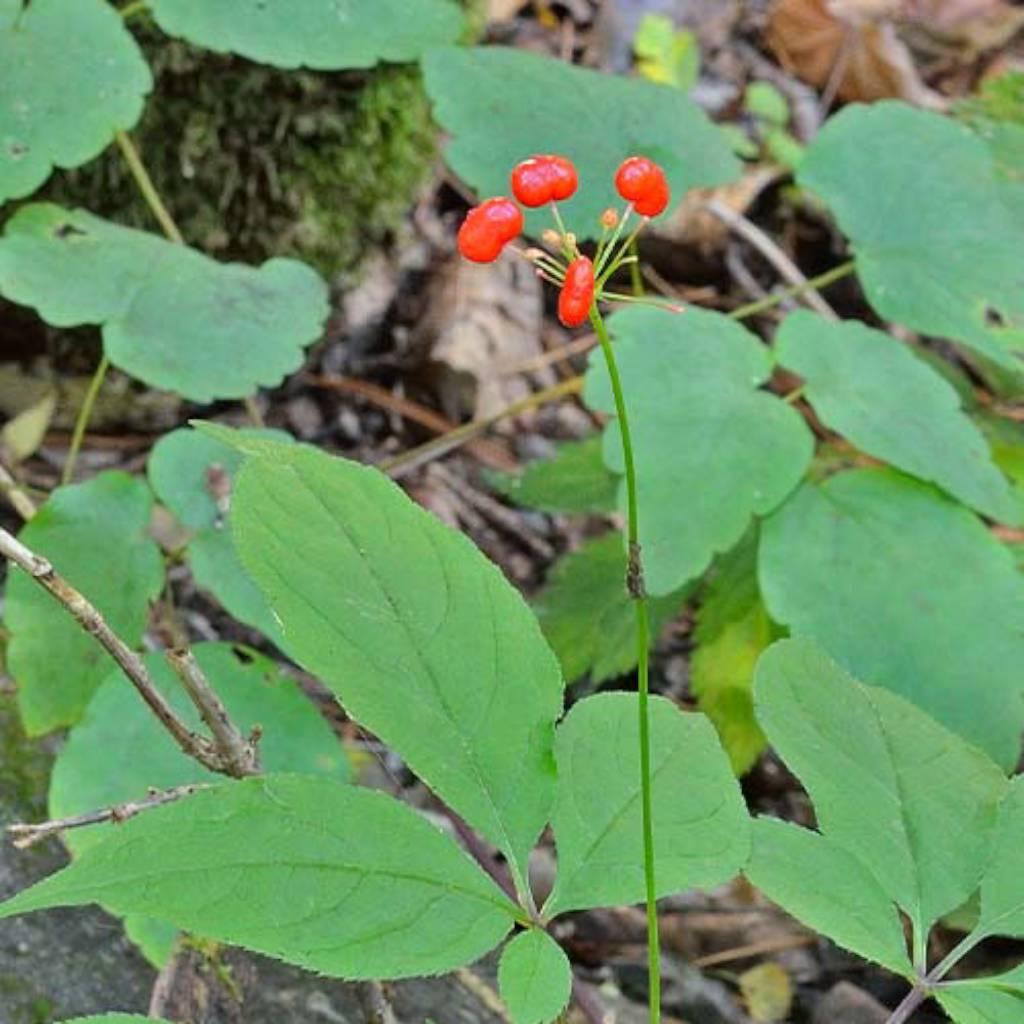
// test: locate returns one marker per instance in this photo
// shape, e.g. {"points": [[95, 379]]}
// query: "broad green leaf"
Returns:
{"points": [[843, 901], [534, 978], [701, 828], [873, 390], [977, 1005], [193, 475], [906, 590], [421, 637], [311, 33], [70, 77], [711, 449], [1002, 886], [171, 316], [337, 879], [732, 630], [914, 803], [1010, 981], [95, 534], [117, 1018], [938, 245], [587, 615], [575, 479], [1006, 440], [544, 105]]}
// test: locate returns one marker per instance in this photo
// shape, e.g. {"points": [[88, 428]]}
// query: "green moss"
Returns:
{"points": [[254, 161]]}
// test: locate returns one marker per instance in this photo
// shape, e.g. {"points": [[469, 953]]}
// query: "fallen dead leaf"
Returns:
{"points": [[768, 992]]}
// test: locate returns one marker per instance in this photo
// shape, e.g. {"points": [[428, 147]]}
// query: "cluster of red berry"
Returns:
{"points": [[540, 180]]}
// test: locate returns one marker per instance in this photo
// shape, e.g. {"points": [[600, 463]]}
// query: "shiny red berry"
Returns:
{"points": [[488, 228], [642, 182], [577, 294], [544, 179]]}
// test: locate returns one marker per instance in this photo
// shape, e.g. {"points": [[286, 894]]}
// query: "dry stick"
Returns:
{"points": [[89, 618], [772, 253], [375, 1002], [24, 836]]}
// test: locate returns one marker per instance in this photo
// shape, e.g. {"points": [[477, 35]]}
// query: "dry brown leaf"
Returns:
{"points": [[768, 992], [22, 435], [503, 10]]}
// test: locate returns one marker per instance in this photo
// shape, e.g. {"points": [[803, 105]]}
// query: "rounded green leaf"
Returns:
{"points": [[913, 802], [938, 237], [311, 33], [70, 77], [193, 475], [170, 315], [873, 390], [1002, 887], [828, 889], [337, 879], [502, 105], [701, 828], [907, 590], [423, 639], [95, 534], [711, 449], [534, 978]]}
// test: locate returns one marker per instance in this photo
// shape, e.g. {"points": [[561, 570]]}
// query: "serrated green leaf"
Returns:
{"points": [[312, 34], [95, 534], [873, 390], [534, 978], [193, 475], [574, 479], [906, 590], [333, 878], [828, 889], [170, 316], [701, 828], [977, 1005], [1002, 887], [887, 781], [597, 120], [70, 76], [937, 243], [421, 637], [711, 450], [587, 615]]}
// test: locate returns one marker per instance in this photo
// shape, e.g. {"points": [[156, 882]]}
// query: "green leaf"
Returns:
{"points": [[976, 1005], [848, 905], [666, 54], [95, 534], [711, 449], [906, 590], [732, 630], [574, 479], [193, 475], [312, 34], [873, 390], [911, 801], [545, 105], [117, 1018], [170, 315], [937, 244], [421, 637], [587, 615], [534, 978], [70, 77], [1002, 887], [337, 879], [701, 828]]}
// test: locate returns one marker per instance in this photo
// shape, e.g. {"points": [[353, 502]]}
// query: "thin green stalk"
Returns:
{"points": [[771, 301], [635, 586], [636, 280], [82, 421], [147, 188]]}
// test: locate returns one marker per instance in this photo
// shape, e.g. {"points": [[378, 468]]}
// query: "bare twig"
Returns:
{"points": [[240, 754], [772, 253], [20, 501], [23, 836], [376, 1005], [88, 617]]}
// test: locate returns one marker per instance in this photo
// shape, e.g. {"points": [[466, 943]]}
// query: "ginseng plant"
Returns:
{"points": [[582, 282]]}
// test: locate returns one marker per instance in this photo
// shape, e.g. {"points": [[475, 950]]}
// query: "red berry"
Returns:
{"points": [[488, 228], [642, 182], [543, 179], [577, 294]]}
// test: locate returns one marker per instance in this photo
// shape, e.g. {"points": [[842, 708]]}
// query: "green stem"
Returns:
{"points": [[635, 586], [771, 301], [130, 10], [634, 269], [82, 422], [147, 188]]}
